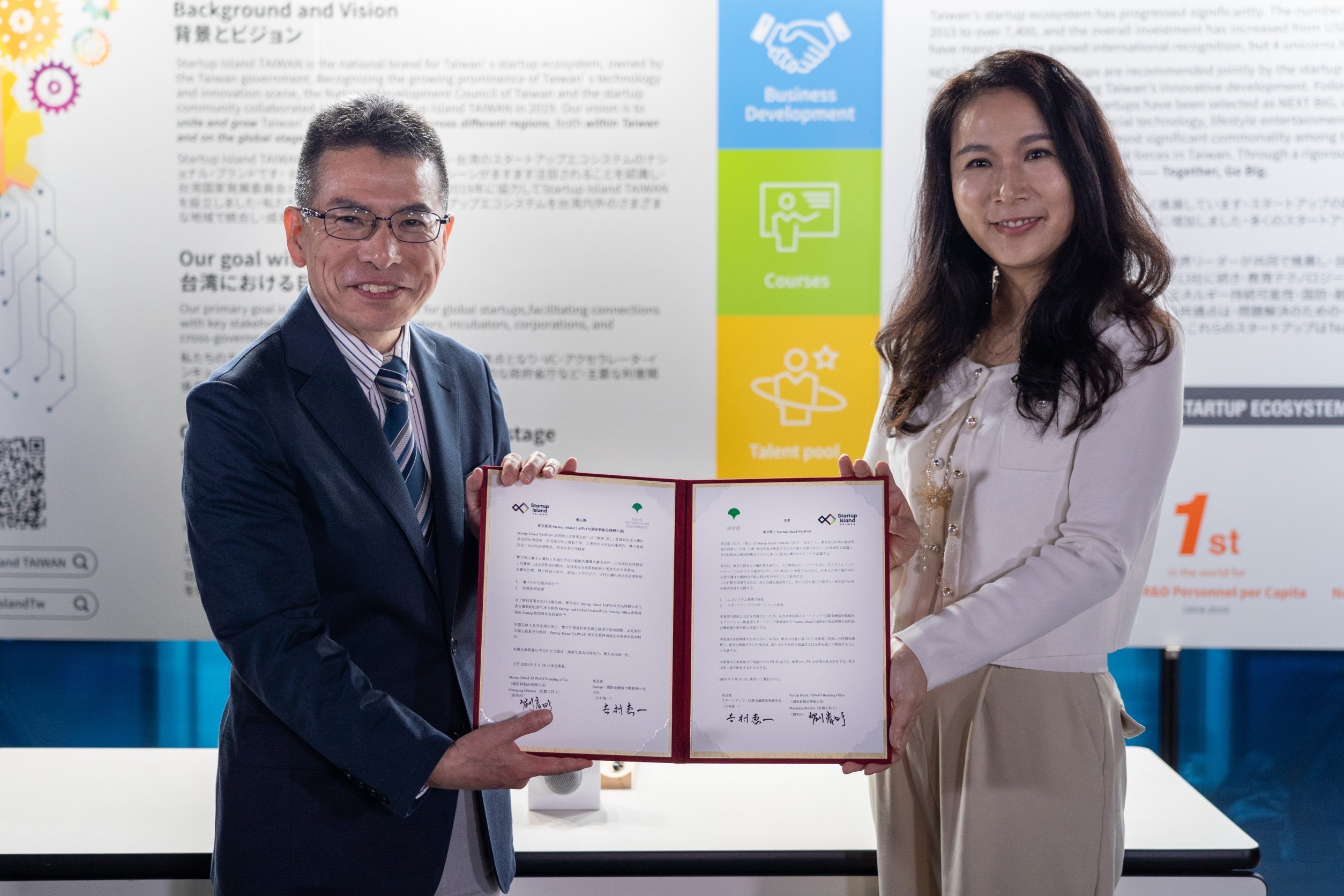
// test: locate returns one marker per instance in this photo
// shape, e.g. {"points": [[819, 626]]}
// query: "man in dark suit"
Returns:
{"points": [[330, 480]]}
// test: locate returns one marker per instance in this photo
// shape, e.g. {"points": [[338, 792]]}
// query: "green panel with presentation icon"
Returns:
{"points": [[799, 232]]}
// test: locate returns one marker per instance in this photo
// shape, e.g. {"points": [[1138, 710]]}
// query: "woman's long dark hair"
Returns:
{"points": [[1112, 265]]}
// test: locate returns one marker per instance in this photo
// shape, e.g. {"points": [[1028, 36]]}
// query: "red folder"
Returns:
{"points": [[682, 647]]}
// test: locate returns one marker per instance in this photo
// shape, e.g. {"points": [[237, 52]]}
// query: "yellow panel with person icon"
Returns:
{"points": [[794, 393]]}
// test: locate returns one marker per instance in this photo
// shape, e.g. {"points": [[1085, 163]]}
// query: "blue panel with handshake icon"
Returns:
{"points": [[800, 75]]}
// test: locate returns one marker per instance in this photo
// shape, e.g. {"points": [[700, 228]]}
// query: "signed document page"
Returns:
{"points": [[577, 612], [789, 621]]}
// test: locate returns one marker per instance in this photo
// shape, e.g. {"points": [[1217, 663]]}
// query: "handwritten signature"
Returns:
{"points": [[749, 718], [827, 718], [621, 709]]}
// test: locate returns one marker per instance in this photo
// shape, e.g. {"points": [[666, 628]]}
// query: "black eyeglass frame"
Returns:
{"points": [[313, 213]]}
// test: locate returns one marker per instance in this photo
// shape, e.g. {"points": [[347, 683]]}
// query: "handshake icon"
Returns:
{"points": [[800, 46]]}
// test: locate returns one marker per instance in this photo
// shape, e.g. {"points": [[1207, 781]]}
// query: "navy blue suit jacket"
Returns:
{"points": [[353, 649]]}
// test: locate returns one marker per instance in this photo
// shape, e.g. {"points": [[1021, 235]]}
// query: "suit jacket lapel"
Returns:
{"points": [[440, 399], [331, 394]]}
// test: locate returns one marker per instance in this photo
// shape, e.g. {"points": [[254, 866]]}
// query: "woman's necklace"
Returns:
{"points": [[996, 349], [934, 494], [995, 345]]}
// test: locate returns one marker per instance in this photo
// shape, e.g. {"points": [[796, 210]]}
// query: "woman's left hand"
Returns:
{"points": [[903, 531], [512, 469], [908, 686]]}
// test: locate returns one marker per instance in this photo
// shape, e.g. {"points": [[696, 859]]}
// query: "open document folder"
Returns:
{"points": [[687, 621]]}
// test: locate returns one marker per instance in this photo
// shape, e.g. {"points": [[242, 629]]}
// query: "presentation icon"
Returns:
{"points": [[794, 211], [797, 391], [800, 46]]}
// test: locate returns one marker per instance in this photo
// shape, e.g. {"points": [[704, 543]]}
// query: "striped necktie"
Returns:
{"points": [[396, 392]]}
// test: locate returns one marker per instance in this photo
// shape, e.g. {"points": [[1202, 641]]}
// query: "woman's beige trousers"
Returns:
{"points": [[1013, 785]]}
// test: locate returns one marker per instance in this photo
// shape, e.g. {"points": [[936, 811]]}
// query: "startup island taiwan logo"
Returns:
{"points": [[844, 519]]}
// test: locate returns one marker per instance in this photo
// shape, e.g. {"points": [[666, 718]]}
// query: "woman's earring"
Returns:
{"points": [[994, 280]]}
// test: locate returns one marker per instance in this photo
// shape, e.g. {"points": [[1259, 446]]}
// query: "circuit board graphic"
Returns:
{"points": [[37, 278]]}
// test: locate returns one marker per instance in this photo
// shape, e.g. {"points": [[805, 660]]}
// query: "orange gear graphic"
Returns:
{"points": [[19, 128], [28, 28], [91, 46]]}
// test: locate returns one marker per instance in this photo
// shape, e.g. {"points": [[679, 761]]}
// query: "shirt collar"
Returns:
{"points": [[363, 358]]}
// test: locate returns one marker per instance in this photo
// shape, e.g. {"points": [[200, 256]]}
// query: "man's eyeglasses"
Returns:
{"points": [[359, 224]]}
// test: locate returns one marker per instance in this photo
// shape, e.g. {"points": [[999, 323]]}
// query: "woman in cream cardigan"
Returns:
{"points": [[1029, 418]]}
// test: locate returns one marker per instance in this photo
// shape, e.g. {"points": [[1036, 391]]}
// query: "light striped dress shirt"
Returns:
{"points": [[365, 363]]}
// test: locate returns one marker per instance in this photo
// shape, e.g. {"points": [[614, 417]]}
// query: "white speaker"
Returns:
{"points": [[575, 790]]}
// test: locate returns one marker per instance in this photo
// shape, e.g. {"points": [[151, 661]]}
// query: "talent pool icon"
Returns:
{"points": [[791, 211], [800, 46], [797, 391]]}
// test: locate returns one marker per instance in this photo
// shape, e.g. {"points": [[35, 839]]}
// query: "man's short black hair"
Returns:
{"points": [[368, 119]]}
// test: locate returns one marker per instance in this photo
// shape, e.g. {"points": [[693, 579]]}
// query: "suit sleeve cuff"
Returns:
{"points": [[405, 802]]}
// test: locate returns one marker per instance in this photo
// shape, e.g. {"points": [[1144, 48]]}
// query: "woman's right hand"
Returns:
{"points": [[903, 531]]}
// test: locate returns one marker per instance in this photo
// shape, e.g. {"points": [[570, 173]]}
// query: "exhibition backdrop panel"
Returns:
{"points": [[800, 223], [676, 223], [1231, 119]]}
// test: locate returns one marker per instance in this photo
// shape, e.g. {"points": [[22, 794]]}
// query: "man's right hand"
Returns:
{"points": [[488, 758], [512, 469]]}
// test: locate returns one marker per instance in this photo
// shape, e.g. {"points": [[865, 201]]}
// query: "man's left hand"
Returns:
{"points": [[512, 469]]}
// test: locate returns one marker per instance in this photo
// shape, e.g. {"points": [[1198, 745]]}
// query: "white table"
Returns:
{"points": [[80, 814]]}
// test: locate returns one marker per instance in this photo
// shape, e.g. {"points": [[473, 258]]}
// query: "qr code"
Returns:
{"points": [[23, 480]]}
